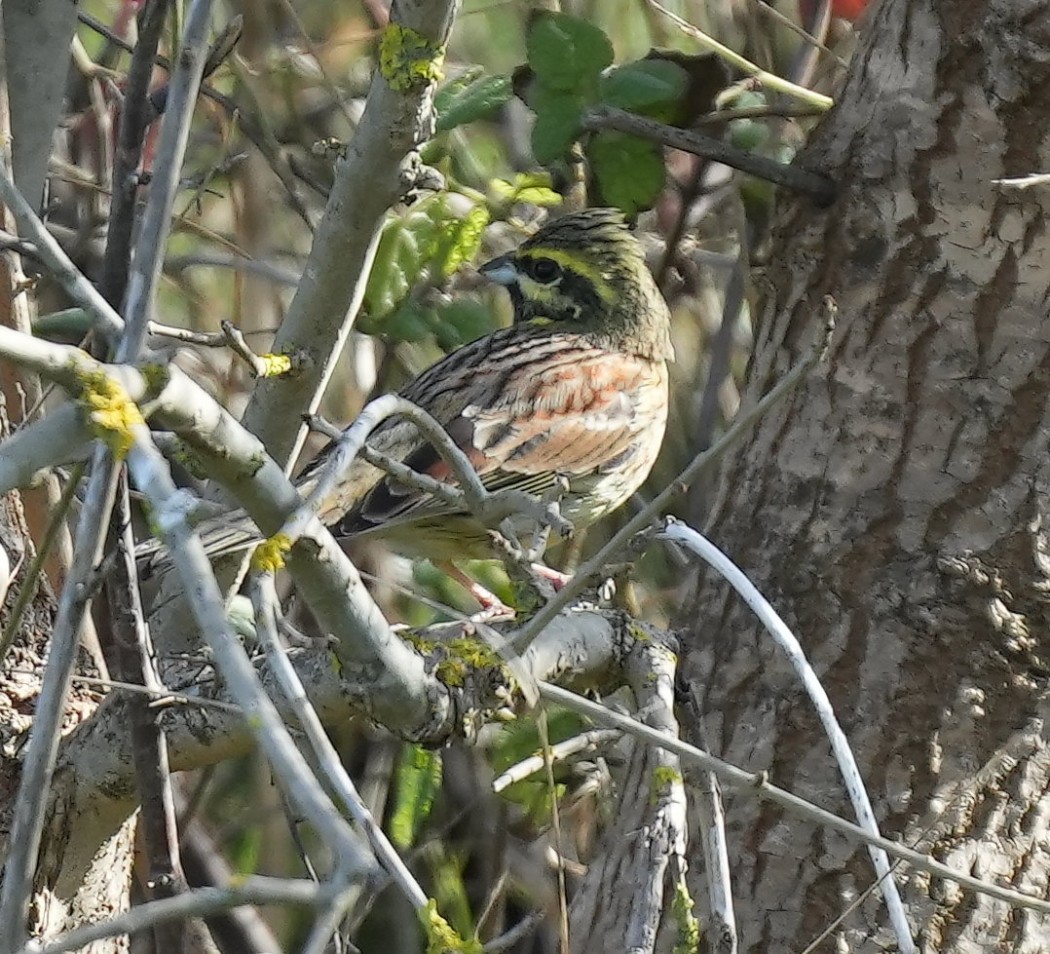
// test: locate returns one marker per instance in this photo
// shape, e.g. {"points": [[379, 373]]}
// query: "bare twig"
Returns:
{"points": [[688, 537], [136, 114], [757, 785], [576, 745], [169, 507], [264, 598], [29, 584], [711, 824], [58, 263], [769, 80], [38, 768], [148, 744], [378, 168], [199, 903], [490, 508], [156, 221], [602, 116]]}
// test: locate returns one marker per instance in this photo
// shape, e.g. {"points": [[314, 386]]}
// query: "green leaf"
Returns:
{"points": [[410, 322], [448, 91], [475, 100], [707, 76], [432, 241], [649, 87], [459, 240], [69, 324], [629, 171], [748, 134], [557, 123], [532, 187], [418, 779], [460, 321], [404, 249], [566, 52]]}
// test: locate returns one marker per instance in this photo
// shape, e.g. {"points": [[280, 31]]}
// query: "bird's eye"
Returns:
{"points": [[544, 270]]}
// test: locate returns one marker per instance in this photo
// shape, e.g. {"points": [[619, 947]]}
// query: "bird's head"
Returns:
{"points": [[586, 272]]}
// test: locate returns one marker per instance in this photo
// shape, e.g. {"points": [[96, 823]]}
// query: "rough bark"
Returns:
{"points": [[894, 509]]}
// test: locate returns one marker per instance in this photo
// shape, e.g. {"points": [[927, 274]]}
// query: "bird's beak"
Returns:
{"points": [[500, 270]]}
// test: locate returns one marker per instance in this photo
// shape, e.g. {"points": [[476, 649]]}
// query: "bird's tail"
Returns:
{"points": [[225, 533]]}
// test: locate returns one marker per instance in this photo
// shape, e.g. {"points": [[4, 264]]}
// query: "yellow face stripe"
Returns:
{"points": [[571, 262]]}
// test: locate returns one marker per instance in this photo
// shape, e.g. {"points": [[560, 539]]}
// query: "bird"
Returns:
{"points": [[572, 394]]}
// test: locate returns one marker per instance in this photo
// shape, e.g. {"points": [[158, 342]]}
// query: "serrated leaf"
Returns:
{"points": [[557, 123], [629, 171], [418, 778], [474, 101], [648, 87], [566, 52], [459, 240]]}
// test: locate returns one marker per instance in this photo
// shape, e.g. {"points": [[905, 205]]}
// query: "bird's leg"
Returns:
{"points": [[492, 607]]}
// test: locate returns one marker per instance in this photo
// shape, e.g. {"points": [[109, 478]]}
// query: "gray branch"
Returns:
{"points": [[378, 168]]}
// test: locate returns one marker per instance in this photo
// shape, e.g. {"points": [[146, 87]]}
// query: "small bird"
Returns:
{"points": [[574, 390]]}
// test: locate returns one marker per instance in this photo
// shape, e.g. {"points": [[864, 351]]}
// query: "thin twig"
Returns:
{"points": [[373, 174], [144, 273], [698, 544], [148, 743], [58, 263], [802, 34], [602, 116], [29, 583], [37, 770], [519, 932], [749, 783], [567, 748], [254, 889], [170, 508], [543, 729], [769, 80], [490, 508], [158, 697], [136, 114], [264, 598]]}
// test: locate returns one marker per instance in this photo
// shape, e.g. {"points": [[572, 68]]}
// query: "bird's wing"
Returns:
{"points": [[559, 407]]}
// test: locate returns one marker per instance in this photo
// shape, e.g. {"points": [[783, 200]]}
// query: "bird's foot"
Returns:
{"points": [[492, 607], [556, 578]]}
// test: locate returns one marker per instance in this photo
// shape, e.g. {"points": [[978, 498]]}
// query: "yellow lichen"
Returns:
{"points": [[407, 59], [687, 927], [442, 937], [110, 410], [269, 555], [156, 376], [274, 365], [663, 778]]}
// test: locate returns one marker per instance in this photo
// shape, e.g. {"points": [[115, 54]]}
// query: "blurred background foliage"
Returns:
{"points": [[509, 146]]}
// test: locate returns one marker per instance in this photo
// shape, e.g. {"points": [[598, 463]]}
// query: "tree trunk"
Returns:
{"points": [[893, 507]]}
